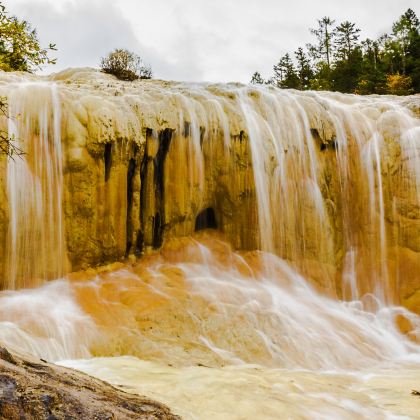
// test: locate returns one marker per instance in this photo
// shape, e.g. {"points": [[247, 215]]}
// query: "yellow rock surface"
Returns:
{"points": [[324, 180]]}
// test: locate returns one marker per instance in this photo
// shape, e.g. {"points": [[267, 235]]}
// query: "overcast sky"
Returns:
{"points": [[195, 40]]}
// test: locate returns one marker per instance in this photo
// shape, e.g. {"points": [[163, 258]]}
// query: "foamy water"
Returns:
{"points": [[217, 336], [257, 392]]}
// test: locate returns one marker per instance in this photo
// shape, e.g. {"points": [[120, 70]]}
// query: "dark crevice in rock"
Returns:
{"points": [[130, 179], [157, 231], [139, 243], [187, 129], [332, 145], [108, 160], [206, 219], [202, 134], [323, 145], [165, 138], [152, 190], [144, 202], [315, 134]]}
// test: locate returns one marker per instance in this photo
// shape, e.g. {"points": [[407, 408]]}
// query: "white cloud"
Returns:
{"points": [[218, 40]]}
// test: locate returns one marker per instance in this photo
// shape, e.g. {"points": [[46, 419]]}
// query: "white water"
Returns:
{"points": [[286, 165], [219, 334], [229, 342], [36, 249], [255, 392], [46, 322]]}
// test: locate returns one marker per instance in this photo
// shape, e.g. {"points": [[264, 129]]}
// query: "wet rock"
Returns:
{"points": [[31, 389], [147, 164]]}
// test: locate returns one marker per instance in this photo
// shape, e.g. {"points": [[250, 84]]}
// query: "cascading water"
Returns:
{"points": [[213, 335], [319, 190], [35, 245]]}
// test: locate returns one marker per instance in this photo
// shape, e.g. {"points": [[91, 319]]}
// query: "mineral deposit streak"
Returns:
{"points": [[263, 245]]}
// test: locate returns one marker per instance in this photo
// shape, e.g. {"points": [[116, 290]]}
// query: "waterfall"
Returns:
{"points": [[293, 194], [225, 240], [329, 182], [36, 249]]}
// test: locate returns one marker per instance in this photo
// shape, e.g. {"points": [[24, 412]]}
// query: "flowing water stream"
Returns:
{"points": [[36, 246], [224, 334], [213, 335]]}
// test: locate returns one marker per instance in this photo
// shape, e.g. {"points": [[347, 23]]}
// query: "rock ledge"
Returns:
{"points": [[35, 389]]}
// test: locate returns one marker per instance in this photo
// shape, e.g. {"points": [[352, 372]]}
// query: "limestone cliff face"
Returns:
{"points": [[330, 182]]}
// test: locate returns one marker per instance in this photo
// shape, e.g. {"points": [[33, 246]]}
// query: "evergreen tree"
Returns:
{"points": [[279, 72], [257, 79], [346, 73], [373, 77], [346, 40], [405, 30], [285, 74], [348, 61], [390, 64], [413, 61], [323, 50], [304, 69], [388, 53]]}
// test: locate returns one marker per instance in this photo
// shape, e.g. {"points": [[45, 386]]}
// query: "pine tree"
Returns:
{"points": [[373, 77], [285, 74], [346, 39], [323, 50], [304, 69], [322, 53], [346, 73], [257, 79], [390, 64], [404, 31], [279, 72], [347, 66]]}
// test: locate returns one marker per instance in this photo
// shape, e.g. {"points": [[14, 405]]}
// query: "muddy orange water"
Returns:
{"points": [[219, 334]]}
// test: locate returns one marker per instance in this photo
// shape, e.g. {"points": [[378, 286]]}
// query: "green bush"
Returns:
{"points": [[19, 45]]}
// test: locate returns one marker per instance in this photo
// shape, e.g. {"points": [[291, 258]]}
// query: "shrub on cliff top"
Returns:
{"points": [[125, 65]]}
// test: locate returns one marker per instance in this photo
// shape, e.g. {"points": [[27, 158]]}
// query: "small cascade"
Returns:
{"points": [[302, 199], [46, 322], [35, 244], [198, 302]]}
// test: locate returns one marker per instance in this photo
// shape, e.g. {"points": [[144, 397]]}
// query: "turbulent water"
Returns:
{"points": [[304, 324], [216, 336]]}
